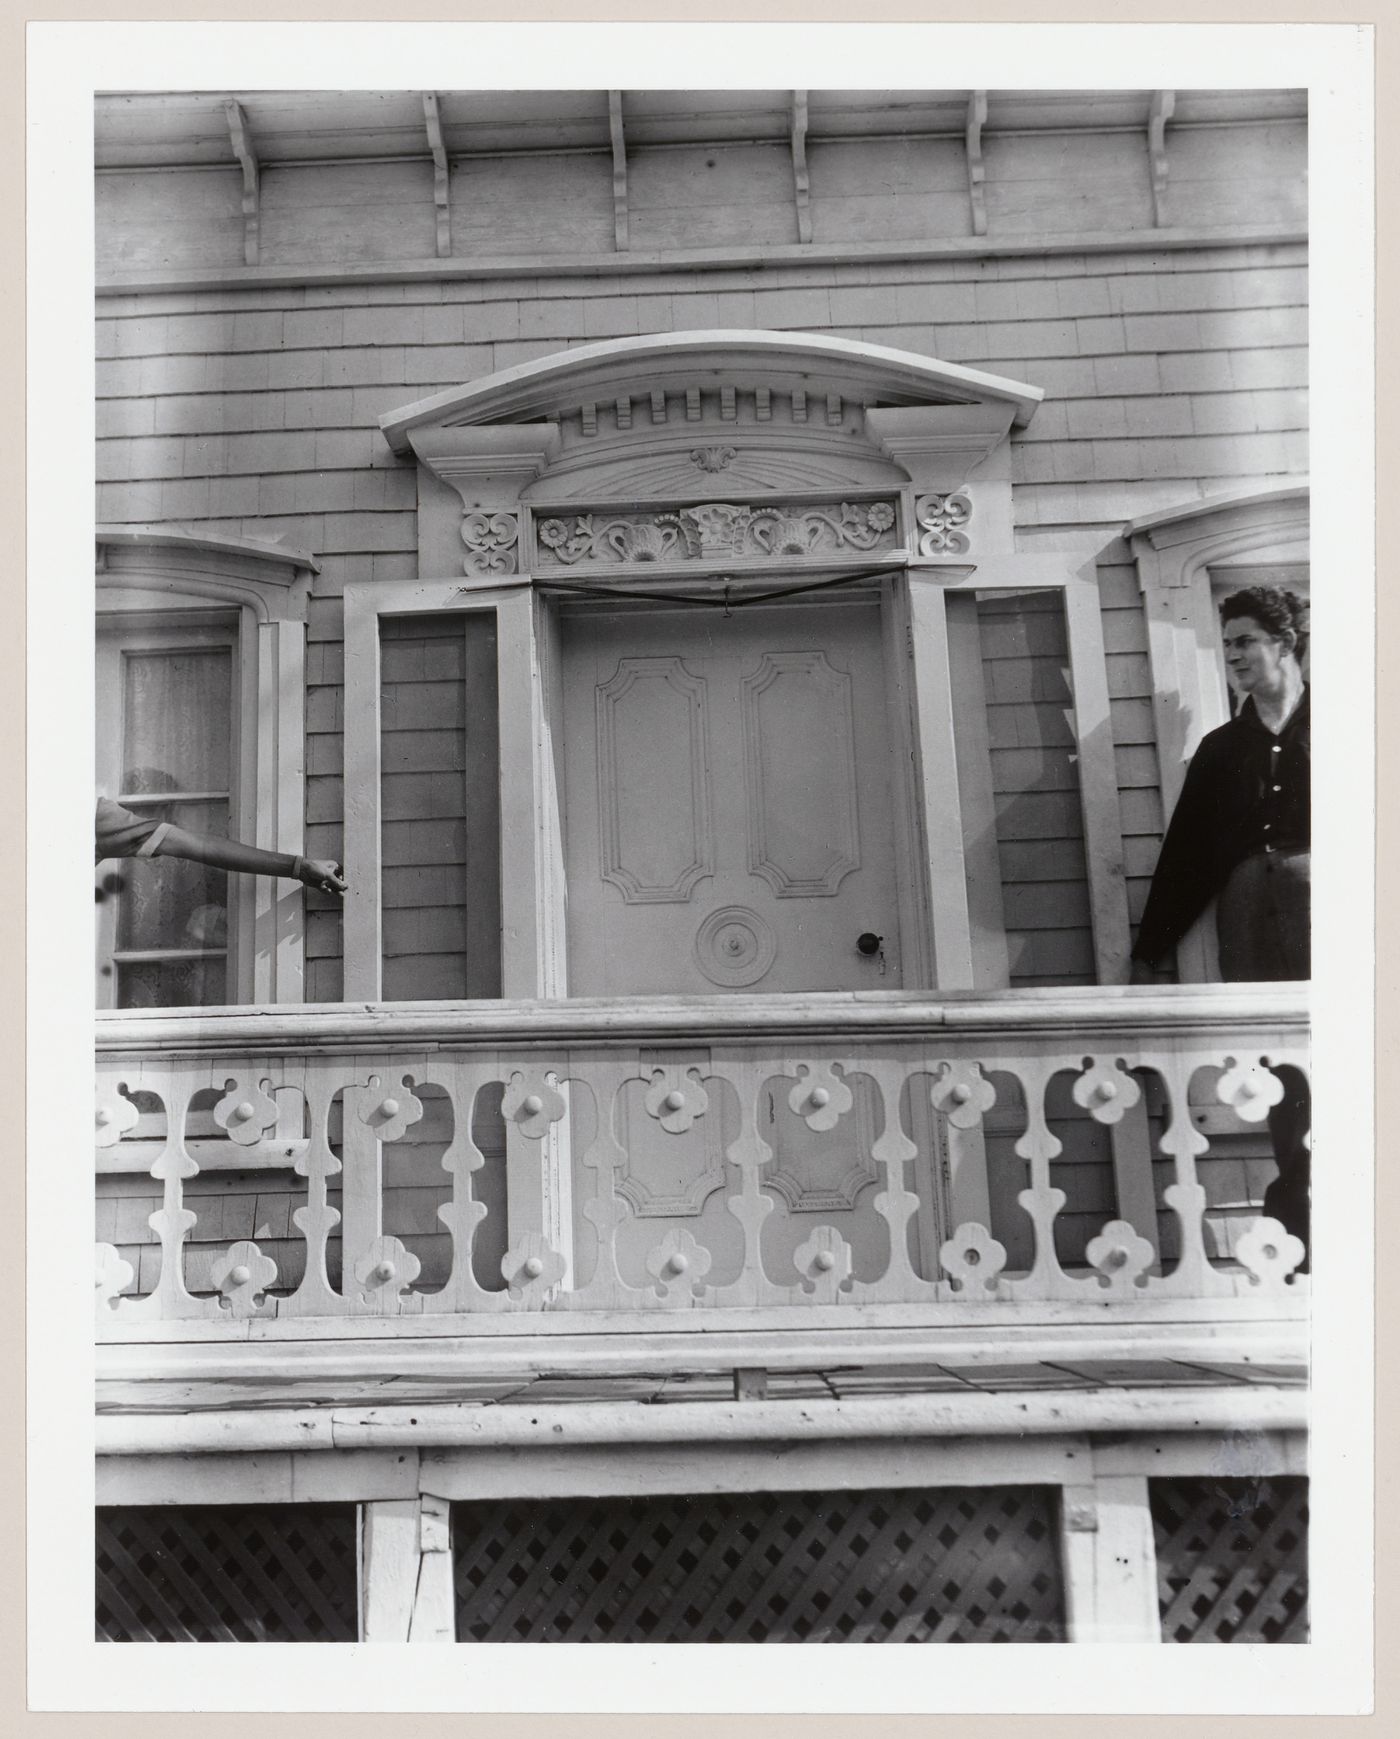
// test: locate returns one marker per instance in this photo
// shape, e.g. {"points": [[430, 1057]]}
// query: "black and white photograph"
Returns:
{"points": [[702, 710]]}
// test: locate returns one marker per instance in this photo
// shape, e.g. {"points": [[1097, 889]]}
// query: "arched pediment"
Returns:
{"points": [[696, 417]]}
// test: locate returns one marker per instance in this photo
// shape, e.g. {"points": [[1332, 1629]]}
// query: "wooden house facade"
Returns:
{"points": [[734, 576]]}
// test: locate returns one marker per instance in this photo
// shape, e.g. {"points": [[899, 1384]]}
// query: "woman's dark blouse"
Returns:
{"points": [[1247, 791]]}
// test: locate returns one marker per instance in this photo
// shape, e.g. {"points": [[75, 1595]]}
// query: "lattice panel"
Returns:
{"points": [[1232, 1559], [227, 1573], [876, 1566]]}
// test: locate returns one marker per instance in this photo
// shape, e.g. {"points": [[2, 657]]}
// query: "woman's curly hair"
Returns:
{"points": [[1274, 609]]}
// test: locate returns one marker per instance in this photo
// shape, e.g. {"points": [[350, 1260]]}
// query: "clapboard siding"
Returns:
{"points": [[1035, 788], [440, 835]]}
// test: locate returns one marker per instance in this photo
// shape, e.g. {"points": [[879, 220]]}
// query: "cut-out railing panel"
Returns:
{"points": [[1020, 1152]]}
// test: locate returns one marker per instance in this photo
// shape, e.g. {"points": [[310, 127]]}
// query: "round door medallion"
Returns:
{"points": [[734, 946]]}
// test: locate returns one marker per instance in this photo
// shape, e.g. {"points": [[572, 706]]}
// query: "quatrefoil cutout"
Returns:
{"points": [[677, 1262], [112, 1273], [242, 1278], [963, 1094], [1120, 1255], [820, 1097], [115, 1115], [386, 1266], [246, 1110], [533, 1103], [676, 1099], [531, 1267], [1249, 1089], [1269, 1253], [1105, 1090], [825, 1263], [972, 1258], [389, 1107]]}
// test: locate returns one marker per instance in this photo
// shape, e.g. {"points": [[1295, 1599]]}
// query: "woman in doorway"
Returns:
{"points": [[1241, 835]]}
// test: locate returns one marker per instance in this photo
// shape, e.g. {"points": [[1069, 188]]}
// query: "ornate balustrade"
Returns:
{"points": [[834, 1153]]}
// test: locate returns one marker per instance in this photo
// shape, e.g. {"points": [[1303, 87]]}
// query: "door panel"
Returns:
{"points": [[727, 801]]}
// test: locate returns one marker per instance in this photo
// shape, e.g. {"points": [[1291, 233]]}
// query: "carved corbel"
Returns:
{"points": [[1159, 113], [619, 161], [241, 140], [432, 120], [976, 168], [802, 187], [938, 447], [488, 467]]}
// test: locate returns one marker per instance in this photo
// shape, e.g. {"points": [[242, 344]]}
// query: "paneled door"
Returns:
{"points": [[728, 815]]}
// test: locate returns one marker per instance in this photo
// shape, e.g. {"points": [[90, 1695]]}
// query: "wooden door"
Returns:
{"points": [[728, 801], [729, 829]]}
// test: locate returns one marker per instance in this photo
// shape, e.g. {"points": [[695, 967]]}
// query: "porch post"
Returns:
{"points": [[1109, 1561]]}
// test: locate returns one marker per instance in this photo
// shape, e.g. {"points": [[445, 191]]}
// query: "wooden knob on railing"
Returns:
{"points": [[961, 1094], [241, 1113], [819, 1097], [241, 1275], [678, 1263], [390, 1108], [824, 1260], [1105, 1092], [534, 1267], [1116, 1257], [674, 1100], [383, 1271], [532, 1105], [104, 1117]]}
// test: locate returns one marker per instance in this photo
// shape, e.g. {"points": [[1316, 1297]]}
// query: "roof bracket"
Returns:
{"points": [[802, 185], [619, 156], [1158, 114], [241, 140], [976, 168], [432, 120]]}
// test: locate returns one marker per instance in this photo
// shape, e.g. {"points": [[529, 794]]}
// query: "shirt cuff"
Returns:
{"points": [[149, 847]]}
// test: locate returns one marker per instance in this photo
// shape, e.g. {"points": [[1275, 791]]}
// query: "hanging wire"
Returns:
{"points": [[728, 600]]}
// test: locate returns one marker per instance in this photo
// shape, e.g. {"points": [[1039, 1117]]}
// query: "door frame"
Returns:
{"points": [[940, 788]]}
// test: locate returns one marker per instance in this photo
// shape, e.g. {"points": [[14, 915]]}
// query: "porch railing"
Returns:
{"points": [[320, 1096]]}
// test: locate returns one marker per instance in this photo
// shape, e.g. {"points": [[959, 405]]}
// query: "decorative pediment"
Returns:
{"points": [[684, 419]]}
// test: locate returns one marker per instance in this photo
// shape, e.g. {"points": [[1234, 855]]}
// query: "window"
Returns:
{"points": [[200, 722], [167, 726], [1188, 559]]}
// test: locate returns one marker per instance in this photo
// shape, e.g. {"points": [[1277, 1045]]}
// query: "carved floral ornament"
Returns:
{"points": [[942, 522], [492, 541], [718, 529]]}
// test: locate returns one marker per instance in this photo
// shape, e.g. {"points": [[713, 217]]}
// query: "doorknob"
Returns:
{"points": [[869, 943]]}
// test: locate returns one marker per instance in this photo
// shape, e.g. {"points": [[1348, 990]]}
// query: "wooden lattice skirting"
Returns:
{"points": [[227, 1573], [1232, 1559], [955, 1565]]}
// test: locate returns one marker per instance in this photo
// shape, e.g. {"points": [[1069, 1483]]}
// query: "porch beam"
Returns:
{"points": [[1037, 1412]]}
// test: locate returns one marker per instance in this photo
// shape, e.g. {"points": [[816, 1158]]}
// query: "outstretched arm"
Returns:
{"points": [[232, 854]]}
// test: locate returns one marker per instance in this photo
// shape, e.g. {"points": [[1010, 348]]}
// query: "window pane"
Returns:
{"points": [[171, 983], [177, 715], [169, 902]]}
